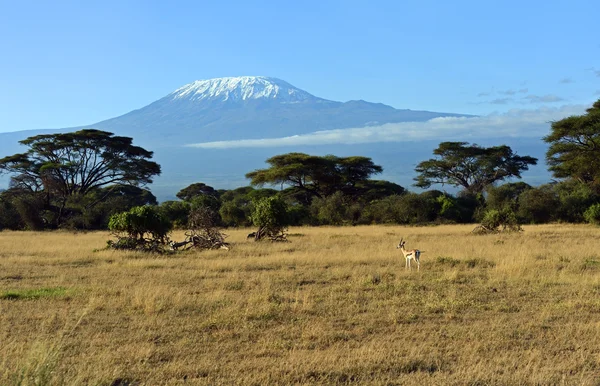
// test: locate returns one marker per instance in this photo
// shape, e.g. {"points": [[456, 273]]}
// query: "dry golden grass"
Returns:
{"points": [[335, 305]]}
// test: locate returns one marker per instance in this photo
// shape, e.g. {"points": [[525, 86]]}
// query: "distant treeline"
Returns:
{"points": [[79, 180]]}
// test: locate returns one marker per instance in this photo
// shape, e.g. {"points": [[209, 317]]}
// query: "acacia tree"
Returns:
{"points": [[60, 166], [471, 167], [574, 150], [194, 190], [310, 176]]}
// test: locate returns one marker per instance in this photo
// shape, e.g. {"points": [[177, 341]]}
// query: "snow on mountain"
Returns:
{"points": [[242, 108], [241, 89]]}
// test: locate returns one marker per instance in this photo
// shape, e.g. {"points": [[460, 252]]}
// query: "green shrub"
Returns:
{"points": [[336, 209], [575, 198], [176, 211], [500, 220], [538, 205], [270, 215], [232, 214], [142, 227], [592, 214]]}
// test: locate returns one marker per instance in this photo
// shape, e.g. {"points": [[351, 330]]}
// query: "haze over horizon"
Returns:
{"points": [[70, 64]]}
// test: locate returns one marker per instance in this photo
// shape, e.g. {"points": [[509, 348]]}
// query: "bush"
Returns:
{"points": [[336, 209], [592, 214], [271, 217], [410, 208], [142, 227], [575, 198], [232, 214], [176, 211], [9, 217], [500, 220], [206, 200], [538, 205], [505, 196]]}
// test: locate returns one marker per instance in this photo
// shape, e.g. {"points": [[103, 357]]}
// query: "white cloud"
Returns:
{"points": [[514, 123]]}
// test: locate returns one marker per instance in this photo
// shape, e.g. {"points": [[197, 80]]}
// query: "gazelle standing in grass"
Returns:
{"points": [[410, 254]]}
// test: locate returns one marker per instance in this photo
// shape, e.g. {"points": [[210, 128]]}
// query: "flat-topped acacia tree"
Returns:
{"points": [[471, 167], [60, 166], [309, 176]]}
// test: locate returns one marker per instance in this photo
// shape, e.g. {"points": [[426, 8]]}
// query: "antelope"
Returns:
{"points": [[410, 254]]}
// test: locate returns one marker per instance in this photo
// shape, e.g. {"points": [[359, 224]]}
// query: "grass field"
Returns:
{"points": [[334, 305]]}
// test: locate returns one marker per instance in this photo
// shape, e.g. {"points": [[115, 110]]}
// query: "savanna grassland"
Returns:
{"points": [[334, 305]]}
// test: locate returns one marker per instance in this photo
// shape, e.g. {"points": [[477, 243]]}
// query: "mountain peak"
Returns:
{"points": [[241, 88]]}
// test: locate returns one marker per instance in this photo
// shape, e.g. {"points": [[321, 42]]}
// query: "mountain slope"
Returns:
{"points": [[240, 108], [250, 108]]}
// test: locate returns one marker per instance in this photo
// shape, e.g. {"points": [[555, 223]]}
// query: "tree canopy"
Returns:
{"points": [[309, 176], [574, 150], [471, 167], [61, 172], [78, 162], [196, 189]]}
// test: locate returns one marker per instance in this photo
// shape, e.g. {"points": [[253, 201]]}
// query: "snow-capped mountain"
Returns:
{"points": [[247, 107], [240, 89]]}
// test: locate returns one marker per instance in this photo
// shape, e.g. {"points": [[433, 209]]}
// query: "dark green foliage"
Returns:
{"points": [[93, 210], [176, 211], [206, 201], [62, 169], [538, 205], [257, 194], [449, 209], [574, 150], [575, 198], [75, 163], [336, 209], [470, 166], [9, 216], [370, 190], [237, 204], [242, 192], [142, 227], [470, 206], [232, 214], [194, 190], [313, 176], [505, 196], [592, 214], [410, 208], [500, 220], [270, 215], [30, 207], [299, 215], [270, 212]]}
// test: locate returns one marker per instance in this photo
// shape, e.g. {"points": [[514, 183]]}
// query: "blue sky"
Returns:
{"points": [[71, 63]]}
